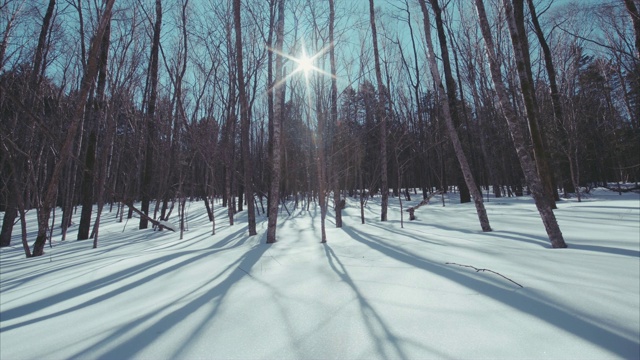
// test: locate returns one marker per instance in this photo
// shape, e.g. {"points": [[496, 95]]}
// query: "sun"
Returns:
{"points": [[305, 64]]}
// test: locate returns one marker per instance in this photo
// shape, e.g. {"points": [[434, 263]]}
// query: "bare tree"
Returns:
{"points": [[517, 133], [44, 208], [381, 115], [278, 114], [152, 93], [337, 203], [448, 104], [245, 122]]}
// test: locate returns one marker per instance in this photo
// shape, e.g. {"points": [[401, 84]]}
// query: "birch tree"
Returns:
{"points": [[516, 128], [448, 104], [278, 112]]}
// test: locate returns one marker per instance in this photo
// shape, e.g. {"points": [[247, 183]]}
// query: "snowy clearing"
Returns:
{"points": [[374, 291]]}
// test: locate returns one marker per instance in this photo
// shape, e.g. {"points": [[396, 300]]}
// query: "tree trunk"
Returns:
{"points": [[517, 133], [278, 114], [87, 187], [40, 49], [10, 215], [515, 20], [381, 115], [334, 114], [150, 116], [448, 107], [245, 122], [48, 201]]}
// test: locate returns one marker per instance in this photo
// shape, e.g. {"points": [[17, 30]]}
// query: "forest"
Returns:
{"points": [[140, 106]]}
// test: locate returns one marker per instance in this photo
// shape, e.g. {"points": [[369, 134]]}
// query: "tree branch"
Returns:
{"points": [[482, 270]]}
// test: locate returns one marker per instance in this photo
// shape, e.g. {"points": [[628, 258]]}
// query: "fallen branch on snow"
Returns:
{"points": [[160, 224], [412, 209], [481, 270]]}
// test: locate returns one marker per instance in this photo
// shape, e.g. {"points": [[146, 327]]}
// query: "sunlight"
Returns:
{"points": [[305, 64]]}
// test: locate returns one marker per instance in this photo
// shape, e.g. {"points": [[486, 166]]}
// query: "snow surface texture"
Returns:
{"points": [[374, 291]]}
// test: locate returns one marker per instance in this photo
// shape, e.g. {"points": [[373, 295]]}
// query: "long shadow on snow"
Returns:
{"points": [[543, 310], [96, 285], [137, 340], [369, 314]]}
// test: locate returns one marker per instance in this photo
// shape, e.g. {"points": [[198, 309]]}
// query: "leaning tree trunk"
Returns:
{"points": [[448, 108], [44, 209], [382, 116], [515, 20], [516, 129]]}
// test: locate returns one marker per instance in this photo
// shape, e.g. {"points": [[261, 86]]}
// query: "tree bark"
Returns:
{"points": [[87, 187], [381, 115], [245, 122], [278, 114], [150, 116], [517, 133], [40, 49], [449, 105], [48, 201], [10, 214], [515, 21], [334, 113]]}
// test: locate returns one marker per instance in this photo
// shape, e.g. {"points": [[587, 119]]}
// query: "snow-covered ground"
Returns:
{"points": [[374, 291]]}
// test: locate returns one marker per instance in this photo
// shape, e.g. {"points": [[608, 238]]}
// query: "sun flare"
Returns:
{"points": [[305, 64]]}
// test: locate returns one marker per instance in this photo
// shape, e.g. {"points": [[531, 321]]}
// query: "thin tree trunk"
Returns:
{"points": [[334, 114], [278, 114], [40, 49], [150, 116], [448, 107], [382, 116], [516, 129], [44, 210], [245, 122], [515, 21]]}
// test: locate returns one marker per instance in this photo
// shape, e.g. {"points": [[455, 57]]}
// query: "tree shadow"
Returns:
{"points": [[525, 301], [372, 318], [132, 340]]}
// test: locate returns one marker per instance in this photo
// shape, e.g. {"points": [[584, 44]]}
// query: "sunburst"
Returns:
{"points": [[305, 64]]}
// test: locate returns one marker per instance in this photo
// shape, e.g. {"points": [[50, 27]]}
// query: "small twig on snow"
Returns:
{"points": [[480, 270]]}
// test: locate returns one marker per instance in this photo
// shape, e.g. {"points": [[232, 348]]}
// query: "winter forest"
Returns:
{"points": [[145, 105], [347, 179]]}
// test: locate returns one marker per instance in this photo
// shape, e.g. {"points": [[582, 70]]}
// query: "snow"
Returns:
{"points": [[374, 291]]}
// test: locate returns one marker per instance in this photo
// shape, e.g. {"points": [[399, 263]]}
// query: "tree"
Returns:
{"points": [[337, 203], [152, 81], [48, 201], [380, 115], [244, 121], [278, 112], [518, 136], [449, 105]]}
